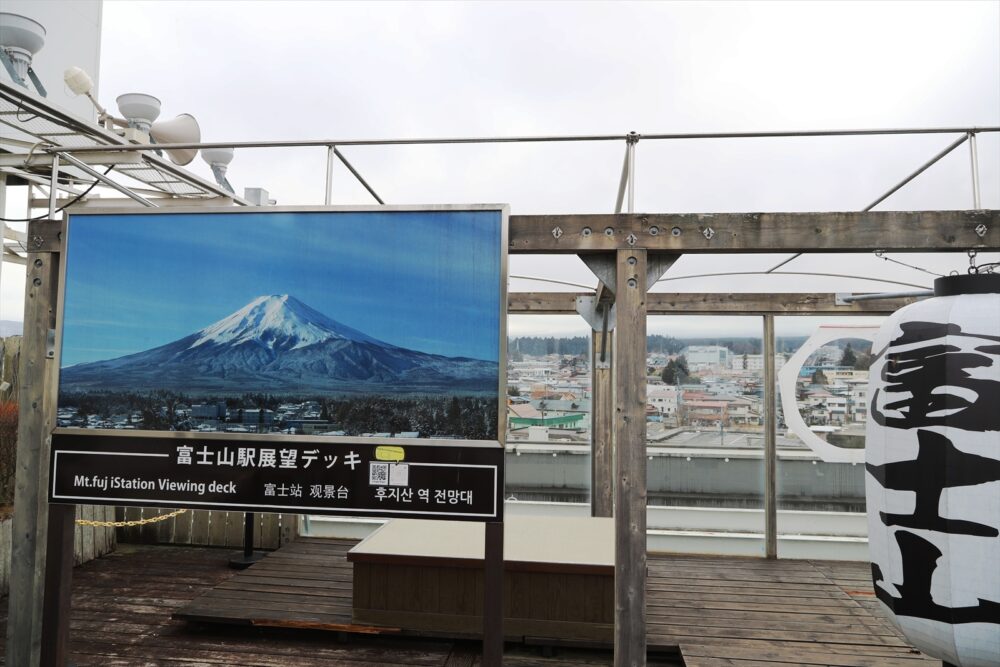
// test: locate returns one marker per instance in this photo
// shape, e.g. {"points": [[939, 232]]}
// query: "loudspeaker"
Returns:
{"points": [[183, 129]]}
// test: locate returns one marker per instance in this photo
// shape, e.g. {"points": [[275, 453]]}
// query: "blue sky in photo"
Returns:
{"points": [[427, 280]]}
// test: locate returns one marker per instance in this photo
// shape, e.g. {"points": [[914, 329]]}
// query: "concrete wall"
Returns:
{"points": [[734, 480]]}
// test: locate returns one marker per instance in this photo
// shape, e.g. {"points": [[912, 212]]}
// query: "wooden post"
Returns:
{"points": [[601, 422], [493, 596], [630, 459], [58, 588], [31, 509], [770, 443]]}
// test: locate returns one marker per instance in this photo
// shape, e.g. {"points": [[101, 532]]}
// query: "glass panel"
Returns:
{"points": [[548, 415], [705, 434], [823, 368]]}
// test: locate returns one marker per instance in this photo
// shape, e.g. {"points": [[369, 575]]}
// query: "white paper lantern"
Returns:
{"points": [[933, 470]]}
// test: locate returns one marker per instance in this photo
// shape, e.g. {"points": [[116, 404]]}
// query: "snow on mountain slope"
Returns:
{"points": [[279, 322]]}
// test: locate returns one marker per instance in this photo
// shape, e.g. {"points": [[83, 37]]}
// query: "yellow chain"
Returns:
{"points": [[123, 524]]}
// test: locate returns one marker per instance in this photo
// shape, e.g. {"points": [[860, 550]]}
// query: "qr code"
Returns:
{"points": [[378, 473]]}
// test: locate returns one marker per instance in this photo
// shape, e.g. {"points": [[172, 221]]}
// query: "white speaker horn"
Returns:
{"points": [[183, 129]]}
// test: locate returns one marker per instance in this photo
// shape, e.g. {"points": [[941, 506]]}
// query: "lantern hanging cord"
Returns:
{"points": [[987, 267], [881, 255]]}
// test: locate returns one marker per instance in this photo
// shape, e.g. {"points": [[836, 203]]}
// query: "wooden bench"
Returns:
{"points": [[427, 576]]}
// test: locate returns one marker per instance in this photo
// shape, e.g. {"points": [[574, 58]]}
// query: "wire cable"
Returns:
{"points": [[555, 282], [881, 255], [792, 273], [69, 203]]}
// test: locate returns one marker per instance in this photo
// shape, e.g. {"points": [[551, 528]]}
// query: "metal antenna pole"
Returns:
{"points": [[328, 197], [633, 139], [974, 158], [623, 183]]}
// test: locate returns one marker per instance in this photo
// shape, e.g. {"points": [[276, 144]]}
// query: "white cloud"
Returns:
{"points": [[267, 70]]}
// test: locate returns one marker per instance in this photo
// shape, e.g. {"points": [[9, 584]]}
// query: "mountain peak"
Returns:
{"points": [[278, 322]]}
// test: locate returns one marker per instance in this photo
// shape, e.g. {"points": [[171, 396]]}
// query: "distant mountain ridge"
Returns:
{"points": [[279, 344], [10, 328]]}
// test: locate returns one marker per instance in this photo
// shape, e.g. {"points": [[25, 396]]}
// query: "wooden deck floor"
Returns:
{"points": [[719, 612], [716, 611], [123, 605]]}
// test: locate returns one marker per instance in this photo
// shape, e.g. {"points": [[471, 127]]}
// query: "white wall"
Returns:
{"points": [[73, 37]]}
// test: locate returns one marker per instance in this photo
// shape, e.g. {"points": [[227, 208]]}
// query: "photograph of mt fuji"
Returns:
{"points": [[335, 323]]}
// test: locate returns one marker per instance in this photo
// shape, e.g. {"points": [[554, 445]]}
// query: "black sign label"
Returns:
{"points": [[286, 474]]}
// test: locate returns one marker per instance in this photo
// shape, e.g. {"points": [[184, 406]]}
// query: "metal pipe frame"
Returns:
{"points": [[633, 139], [316, 143], [358, 176], [623, 183], [107, 181], [958, 142], [974, 159], [328, 196], [854, 298]]}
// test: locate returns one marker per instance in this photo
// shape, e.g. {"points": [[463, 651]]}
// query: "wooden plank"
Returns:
{"points": [[897, 231], [78, 537], [183, 524], [235, 530], [37, 375], [630, 458], [601, 421], [269, 531], [165, 529], [692, 303], [217, 527], [107, 535], [88, 534], [199, 526]]}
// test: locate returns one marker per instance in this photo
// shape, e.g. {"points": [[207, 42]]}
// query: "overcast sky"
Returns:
{"points": [[269, 70]]}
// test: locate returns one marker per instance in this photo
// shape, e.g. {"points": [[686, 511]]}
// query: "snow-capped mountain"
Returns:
{"points": [[279, 322], [277, 344]]}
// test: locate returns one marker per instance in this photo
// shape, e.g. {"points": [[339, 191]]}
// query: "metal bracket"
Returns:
{"points": [[9, 66], [604, 267], [38, 83], [657, 264], [838, 298], [981, 230], [46, 235], [592, 310], [50, 344]]}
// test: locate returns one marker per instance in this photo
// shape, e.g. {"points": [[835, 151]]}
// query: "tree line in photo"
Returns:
{"points": [[467, 417]]}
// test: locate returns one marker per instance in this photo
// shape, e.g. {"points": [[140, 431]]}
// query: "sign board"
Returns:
{"points": [[325, 361]]}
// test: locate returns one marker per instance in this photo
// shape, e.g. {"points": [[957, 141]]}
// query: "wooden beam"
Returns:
{"points": [[37, 393], [45, 235], [630, 459], [601, 426], [663, 303], [897, 231]]}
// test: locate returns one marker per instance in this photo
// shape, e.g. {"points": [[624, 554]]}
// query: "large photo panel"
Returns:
{"points": [[351, 323]]}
